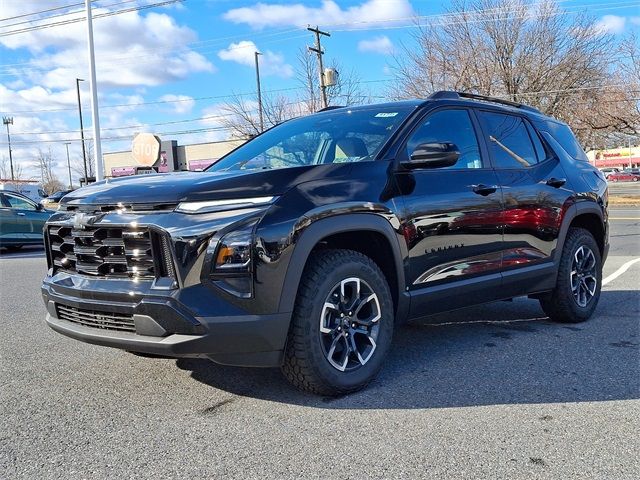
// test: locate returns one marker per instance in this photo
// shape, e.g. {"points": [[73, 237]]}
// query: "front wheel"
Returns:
{"points": [[577, 290], [342, 324]]}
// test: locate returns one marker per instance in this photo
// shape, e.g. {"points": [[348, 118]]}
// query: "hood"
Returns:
{"points": [[170, 188]]}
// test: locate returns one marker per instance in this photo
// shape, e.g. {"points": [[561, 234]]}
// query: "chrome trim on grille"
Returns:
{"points": [[89, 318], [102, 251]]}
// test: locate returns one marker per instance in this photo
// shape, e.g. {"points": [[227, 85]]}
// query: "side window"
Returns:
{"points": [[564, 136], [449, 126], [18, 203], [508, 140], [541, 153]]}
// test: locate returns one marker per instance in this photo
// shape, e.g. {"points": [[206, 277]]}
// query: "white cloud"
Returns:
{"points": [[635, 20], [380, 45], [262, 15], [611, 24], [180, 103], [244, 53], [131, 50]]}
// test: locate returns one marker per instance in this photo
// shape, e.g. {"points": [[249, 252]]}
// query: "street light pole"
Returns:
{"points": [[259, 93], [7, 121], [84, 153], [66, 144], [94, 95]]}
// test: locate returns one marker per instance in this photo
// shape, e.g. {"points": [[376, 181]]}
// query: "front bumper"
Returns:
{"points": [[164, 325]]}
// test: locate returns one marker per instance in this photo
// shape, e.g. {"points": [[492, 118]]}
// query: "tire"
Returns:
{"points": [[310, 364], [565, 304], [635, 179]]}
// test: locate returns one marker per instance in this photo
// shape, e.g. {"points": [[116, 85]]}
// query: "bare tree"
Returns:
{"points": [[5, 169], [534, 54], [50, 182], [240, 115], [77, 163]]}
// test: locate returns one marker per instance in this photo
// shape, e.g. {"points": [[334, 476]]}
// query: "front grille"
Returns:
{"points": [[102, 251], [90, 318]]}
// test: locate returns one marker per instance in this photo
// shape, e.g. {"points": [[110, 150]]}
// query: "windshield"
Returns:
{"points": [[338, 136]]}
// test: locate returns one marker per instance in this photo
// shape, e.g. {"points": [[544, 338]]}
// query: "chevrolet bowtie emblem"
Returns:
{"points": [[81, 221]]}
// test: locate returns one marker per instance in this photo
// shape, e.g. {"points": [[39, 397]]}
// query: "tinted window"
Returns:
{"points": [[18, 202], [337, 136], [509, 141], [537, 143], [564, 136], [449, 126]]}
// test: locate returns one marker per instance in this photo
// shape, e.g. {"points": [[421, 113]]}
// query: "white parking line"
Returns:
{"points": [[620, 271]]}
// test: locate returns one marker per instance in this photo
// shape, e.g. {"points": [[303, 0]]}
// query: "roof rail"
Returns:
{"points": [[452, 95], [330, 107]]}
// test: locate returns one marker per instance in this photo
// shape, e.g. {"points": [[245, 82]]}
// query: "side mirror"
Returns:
{"points": [[39, 206], [433, 155]]}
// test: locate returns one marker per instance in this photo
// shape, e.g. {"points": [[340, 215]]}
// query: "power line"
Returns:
{"points": [[76, 20], [49, 17], [191, 45], [42, 11]]}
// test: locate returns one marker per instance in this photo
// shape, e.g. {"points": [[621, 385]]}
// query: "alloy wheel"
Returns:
{"points": [[583, 276], [349, 324]]}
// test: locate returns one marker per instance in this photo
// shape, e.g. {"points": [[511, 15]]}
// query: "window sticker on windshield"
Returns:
{"points": [[386, 114]]}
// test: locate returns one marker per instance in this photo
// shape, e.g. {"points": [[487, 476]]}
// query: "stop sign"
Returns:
{"points": [[145, 149]]}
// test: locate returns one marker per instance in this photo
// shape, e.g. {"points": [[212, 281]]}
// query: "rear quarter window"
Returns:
{"points": [[564, 136]]}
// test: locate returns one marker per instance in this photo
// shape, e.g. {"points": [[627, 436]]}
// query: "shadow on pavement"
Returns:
{"points": [[513, 355]]}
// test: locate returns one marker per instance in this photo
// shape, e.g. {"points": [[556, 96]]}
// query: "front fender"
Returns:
{"points": [[312, 228]]}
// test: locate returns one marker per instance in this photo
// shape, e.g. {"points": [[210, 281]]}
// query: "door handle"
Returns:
{"points": [[556, 182], [20, 214], [484, 190]]}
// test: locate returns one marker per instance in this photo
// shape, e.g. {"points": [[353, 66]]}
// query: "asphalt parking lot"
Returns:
{"points": [[505, 395]]}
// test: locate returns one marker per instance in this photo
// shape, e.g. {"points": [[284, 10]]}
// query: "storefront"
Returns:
{"points": [[623, 157], [150, 154]]}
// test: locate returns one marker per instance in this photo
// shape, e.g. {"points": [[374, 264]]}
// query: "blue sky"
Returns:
{"points": [[155, 65]]}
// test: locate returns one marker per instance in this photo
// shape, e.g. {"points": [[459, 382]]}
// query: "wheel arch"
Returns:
{"points": [[588, 215], [342, 231]]}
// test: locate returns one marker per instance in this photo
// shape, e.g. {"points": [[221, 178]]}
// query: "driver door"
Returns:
{"points": [[452, 218]]}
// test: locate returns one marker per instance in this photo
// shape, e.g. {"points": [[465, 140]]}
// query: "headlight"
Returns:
{"points": [[234, 250], [231, 263], [221, 205]]}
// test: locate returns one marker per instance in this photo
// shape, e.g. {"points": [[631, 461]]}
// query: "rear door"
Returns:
{"points": [[534, 193], [451, 218]]}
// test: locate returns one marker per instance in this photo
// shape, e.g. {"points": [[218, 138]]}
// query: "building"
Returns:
{"points": [[623, 157], [150, 154]]}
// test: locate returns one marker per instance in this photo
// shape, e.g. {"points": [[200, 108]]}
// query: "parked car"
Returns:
{"points": [[626, 175], [608, 171], [21, 221], [307, 245], [51, 202]]}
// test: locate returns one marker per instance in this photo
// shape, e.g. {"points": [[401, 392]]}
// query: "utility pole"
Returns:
{"points": [[66, 144], [84, 153], [319, 52], [94, 95], [9, 121], [259, 92]]}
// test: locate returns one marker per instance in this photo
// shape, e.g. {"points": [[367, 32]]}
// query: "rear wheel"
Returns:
{"points": [[342, 324], [579, 280]]}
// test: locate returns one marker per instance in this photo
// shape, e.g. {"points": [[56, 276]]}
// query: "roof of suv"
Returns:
{"points": [[459, 98]]}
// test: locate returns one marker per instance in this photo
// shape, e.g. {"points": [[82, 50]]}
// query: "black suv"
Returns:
{"points": [[304, 247]]}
